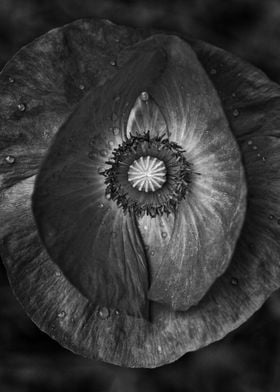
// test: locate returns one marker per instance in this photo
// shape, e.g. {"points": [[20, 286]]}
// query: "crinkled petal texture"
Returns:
{"points": [[59, 285]]}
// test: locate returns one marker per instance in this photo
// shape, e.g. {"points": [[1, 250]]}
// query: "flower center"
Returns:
{"points": [[147, 173]]}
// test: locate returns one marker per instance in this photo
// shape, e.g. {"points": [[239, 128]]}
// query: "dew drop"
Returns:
{"points": [[108, 196], [116, 131], [10, 159], [144, 96], [259, 155], [255, 148], [58, 273], [117, 98], [152, 253], [11, 79], [103, 313], [164, 234], [21, 107], [159, 349], [145, 227], [235, 113], [213, 71], [92, 141], [264, 159], [61, 314], [250, 142], [104, 153], [234, 281], [111, 143], [113, 63], [233, 95], [91, 155], [100, 205], [81, 86], [100, 170], [117, 312], [271, 217]]}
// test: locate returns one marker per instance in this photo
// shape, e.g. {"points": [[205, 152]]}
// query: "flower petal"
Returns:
{"points": [[98, 248], [208, 222], [43, 83]]}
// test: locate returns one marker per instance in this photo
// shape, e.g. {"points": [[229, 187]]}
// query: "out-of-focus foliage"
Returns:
{"points": [[248, 360]]}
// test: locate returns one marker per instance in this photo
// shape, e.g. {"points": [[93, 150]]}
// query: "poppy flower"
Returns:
{"points": [[139, 190]]}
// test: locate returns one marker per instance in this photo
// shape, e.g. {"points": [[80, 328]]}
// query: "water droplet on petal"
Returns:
{"points": [[104, 153], [81, 86], [264, 159], [250, 142], [11, 79], [164, 234], [144, 96], [235, 113], [117, 312], [271, 217], [234, 281], [145, 227], [111, 143], [255, 148], [116, 131], [91, 155], [100, 205], [113, 63], [213, 71], [152, 253], [58, 273], [103, 313], [61, 314], [259, 155], [10, 159], [233, 95], [159, 349], [21, 107], [108, 196]]}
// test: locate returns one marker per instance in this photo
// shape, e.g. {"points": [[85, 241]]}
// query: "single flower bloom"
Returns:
{"points": [[139, 190]]}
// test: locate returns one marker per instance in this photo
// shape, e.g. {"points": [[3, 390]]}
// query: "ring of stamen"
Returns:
{"points": [[147, 175]]}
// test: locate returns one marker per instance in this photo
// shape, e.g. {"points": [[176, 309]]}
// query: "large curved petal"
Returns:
{"points": [[208, 222], [98, 248]]}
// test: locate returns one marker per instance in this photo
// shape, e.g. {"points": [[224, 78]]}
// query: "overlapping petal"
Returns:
{"points": [[209, 220], [88, 237]]}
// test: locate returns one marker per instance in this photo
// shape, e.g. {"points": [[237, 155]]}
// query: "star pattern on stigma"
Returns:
{"points": [[147, 175]]}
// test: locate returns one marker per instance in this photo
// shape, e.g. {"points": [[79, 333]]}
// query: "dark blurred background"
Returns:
{"points": [[247, 360]]}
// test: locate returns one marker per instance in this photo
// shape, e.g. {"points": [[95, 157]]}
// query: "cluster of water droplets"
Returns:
{"points": [[254, 147]]}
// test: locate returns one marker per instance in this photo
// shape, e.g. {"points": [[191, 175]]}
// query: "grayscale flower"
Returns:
{"points": [[139, 190]]}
